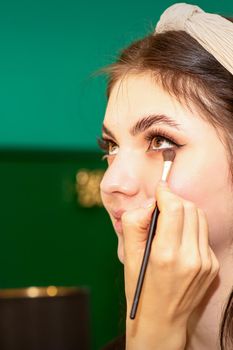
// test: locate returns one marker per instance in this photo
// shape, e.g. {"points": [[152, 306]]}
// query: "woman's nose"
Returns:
{"points": [[122, 176]]}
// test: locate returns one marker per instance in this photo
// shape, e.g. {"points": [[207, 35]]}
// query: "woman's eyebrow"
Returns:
{"points": [[145, 123], [150, 120], [107, 132]]}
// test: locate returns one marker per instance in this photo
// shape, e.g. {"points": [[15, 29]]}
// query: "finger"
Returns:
{"points": [[204, 242], [211, 277], [170, 221], [201, 281], [135, 225], [215, 264], [209, 265], [190, 239]]}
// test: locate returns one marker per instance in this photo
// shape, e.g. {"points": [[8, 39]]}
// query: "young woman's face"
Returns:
{"points": [[142, 120]]}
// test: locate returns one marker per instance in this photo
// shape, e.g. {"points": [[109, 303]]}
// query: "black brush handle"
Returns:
{"points": [[145, 259]]}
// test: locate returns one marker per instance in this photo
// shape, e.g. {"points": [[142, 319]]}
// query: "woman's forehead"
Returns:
{"points": [[138, 96]]}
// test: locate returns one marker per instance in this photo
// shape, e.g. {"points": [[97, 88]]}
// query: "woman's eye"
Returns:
{"points": [[108, 146], [112, 148], [160, 142]]}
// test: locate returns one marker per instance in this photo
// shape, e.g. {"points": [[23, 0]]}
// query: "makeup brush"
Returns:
{"points": [[168, 158]]}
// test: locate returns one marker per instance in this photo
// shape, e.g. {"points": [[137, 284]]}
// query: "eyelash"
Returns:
{"points": [[104, 142], [151, 135]]}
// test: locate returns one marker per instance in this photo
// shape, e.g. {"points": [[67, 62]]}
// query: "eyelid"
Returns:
{"points": [[164, 134], [149, 134], [104, 141]]}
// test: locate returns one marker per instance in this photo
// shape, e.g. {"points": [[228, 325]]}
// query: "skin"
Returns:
{"points": [[197, 204]]}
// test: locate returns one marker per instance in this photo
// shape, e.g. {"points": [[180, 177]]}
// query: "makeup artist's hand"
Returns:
{"points": [[181, 267]]}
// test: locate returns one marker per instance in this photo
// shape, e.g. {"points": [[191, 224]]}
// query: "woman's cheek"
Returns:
{"points": [[214, 197]]}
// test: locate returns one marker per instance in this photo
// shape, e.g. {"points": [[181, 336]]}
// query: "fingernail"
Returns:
{"points": [[149, 203]]}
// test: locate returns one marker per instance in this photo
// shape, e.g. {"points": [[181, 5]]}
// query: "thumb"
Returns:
{"points": [[135, 224]]}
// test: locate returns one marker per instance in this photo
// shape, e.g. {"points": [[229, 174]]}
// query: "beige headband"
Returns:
{"points": [[212, 31]]}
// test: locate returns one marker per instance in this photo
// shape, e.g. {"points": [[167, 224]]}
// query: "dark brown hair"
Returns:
{"points": [[188, 72]]}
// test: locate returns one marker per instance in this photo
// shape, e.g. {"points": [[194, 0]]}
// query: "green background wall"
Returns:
{"points": [[48, 238], [50, 115], [49, 49]]}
